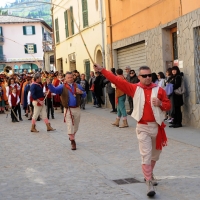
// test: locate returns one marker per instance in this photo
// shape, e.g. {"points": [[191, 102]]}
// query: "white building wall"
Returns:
{"points": [[73, 44]]}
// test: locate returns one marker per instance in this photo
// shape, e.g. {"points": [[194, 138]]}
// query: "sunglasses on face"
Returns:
{"points": [[145, 75]]}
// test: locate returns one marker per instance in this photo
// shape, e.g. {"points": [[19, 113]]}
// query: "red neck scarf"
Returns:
{"points": [[70, 88]]}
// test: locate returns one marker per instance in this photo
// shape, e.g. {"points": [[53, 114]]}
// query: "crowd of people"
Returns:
{"points": [[117, 98]]}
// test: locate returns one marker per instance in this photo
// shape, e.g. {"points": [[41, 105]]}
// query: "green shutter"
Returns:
{"points": [[1, 50], [26, 48], [24, 30], [72, 19], [66, 24], [33, 30], [1, 31], [85, 13], [57, 31], [35, 48]]}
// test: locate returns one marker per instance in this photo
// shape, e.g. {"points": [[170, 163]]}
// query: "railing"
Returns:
{"points": [[2, 58], [47, 38]]}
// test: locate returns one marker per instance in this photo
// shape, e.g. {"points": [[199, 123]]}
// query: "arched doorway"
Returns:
{"points": [[99, 58], [29, 67]]}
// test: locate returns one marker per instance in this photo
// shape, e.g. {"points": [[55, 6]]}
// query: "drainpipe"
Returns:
{"points": [[110, 26], [102, 32], [103, 45]]}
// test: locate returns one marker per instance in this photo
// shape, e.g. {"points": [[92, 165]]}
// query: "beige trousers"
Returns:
{"points": [[39, 110], [146, 134], [72, 119]]}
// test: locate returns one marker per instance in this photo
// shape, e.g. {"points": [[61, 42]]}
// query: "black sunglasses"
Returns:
{"points": [[145, 75]]}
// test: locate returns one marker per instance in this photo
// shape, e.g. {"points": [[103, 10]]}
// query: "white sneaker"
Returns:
{"points": [[150, 189]]}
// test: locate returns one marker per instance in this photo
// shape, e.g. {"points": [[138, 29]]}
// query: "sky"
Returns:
{"points": [[3, 2]]}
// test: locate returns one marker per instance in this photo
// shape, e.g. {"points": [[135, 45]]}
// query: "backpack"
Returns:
{"points": [[181, 89]]}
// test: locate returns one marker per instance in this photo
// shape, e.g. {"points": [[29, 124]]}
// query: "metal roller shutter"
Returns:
{"points": [[133, 56]]}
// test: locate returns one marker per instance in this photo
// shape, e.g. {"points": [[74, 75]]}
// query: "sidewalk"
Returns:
{"points": [[184, 134], [40, 166]]}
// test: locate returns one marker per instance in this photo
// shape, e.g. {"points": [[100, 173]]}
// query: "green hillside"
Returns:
{"points": [[24, 8]]}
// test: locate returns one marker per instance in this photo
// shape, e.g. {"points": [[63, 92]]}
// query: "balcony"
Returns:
{"points": [[47, 38], [2, 58]]}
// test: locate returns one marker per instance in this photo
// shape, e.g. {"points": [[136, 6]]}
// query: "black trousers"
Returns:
{"points": [[14, 109], [19, 111], [130, 101], [99, 100], [177, 115], [112, 100], [50, 108]]}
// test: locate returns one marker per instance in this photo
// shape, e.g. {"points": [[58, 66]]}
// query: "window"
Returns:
{"points": [[29, 30], [1, 31], [85, 13], [1, 34], [175, 45], [30, 48], [57, 31], [69, 22], [197, 61]]}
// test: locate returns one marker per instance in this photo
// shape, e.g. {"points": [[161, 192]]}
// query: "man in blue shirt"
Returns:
{"points": [[37, 96], [71, 94]]}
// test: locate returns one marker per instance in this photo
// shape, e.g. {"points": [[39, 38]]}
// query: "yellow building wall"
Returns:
{"points": [[130, 17]]}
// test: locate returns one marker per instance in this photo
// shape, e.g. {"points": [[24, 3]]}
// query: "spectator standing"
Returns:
{"points": [[161, 79], [120, 100], [133, 79], [98, 89], [91, 86], [85, 85], [111, 92], [176, 80]]}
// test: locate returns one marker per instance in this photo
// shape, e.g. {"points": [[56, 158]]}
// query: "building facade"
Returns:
{"points": [[159, 34], [22, 43], [68, 17]]}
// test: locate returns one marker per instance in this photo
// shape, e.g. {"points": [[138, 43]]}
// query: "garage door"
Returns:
{"points": [[133, 56]]}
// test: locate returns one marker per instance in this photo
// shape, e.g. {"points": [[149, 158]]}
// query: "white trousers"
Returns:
{"points": [[72, 119], [39, 110], [146, 134]]}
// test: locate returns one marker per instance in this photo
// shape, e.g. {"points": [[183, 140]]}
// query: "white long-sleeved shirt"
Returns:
{"points": [[9, 99]]}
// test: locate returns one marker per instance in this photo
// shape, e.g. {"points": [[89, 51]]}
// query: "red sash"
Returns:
{"points": [[70, 89]]}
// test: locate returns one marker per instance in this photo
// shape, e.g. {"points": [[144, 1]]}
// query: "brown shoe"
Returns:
{"points": [[49, 128], [125, 124], [73, 144], [116, 123], [33, 129]]}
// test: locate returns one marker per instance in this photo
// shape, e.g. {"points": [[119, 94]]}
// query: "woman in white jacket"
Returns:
{"points": [[161, 79]]}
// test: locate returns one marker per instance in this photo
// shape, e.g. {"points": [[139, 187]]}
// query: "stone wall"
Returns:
{"points": [[156, 49]]}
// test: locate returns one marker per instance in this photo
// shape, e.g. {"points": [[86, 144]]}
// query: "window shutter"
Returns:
{"points": [[85, 13], [33, 30], [66, 24], [57, 30], [72, 19], [1, 50], [35, 48], [24, 30], [26, 48], [1, 31]]}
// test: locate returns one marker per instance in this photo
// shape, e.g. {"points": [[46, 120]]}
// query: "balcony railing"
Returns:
{"points": [[47, 38], [2, 58]]}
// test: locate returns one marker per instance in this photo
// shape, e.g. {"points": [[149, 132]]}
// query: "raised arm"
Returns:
{"points": [[123, 85], [56, 90]]}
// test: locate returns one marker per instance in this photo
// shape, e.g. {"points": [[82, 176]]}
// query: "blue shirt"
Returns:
{"points": [[36, 91], [72, 98]]}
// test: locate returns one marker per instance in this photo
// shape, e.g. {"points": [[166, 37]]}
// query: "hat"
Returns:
{"points": [[127, 67]]}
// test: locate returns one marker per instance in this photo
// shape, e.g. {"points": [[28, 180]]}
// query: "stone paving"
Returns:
{"points": [[39, 166]]}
